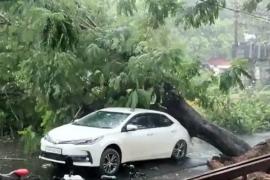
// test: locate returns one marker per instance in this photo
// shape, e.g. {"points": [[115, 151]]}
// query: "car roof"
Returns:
{"points": [[130, 110]]}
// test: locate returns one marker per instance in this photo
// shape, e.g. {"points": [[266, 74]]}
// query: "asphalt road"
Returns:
{"points": [[11, 157]]}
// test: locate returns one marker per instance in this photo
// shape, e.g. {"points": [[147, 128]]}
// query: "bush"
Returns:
{"points": [[244, 113]]}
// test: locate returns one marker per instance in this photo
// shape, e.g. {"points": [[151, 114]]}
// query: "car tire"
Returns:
{"points": [[59, 166], [180, 150], [110, 162]]}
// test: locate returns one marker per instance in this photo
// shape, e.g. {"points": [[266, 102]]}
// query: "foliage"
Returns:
{"points": [[202, 45], [242, 113], [202, 13], [126, 7], [30, 139], [205, 12], [232, 77], [62, 58], [252, 5], [159, 10]]}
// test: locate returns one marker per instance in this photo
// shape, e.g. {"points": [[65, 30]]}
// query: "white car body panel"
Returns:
{"points": [[143, 144], [136, 145], [72, 132]]}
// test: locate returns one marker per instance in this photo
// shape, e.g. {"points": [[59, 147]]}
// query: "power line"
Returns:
{"points": [[249, 14]]}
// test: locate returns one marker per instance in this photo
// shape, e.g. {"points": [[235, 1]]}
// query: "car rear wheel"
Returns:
{"points": [[110, 162], [179, 150]]}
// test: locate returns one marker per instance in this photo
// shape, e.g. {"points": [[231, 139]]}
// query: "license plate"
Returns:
{"points": [[53, 150]]}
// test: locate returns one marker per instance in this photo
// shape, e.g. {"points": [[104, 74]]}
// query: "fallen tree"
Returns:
{"points": [[114, 64], [198, 126]]}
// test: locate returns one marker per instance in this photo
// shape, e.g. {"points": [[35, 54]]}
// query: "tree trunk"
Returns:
{"points": [[198, 126]]}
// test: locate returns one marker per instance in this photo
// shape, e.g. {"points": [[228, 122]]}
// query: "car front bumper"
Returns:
{"points": [[82, 155]]}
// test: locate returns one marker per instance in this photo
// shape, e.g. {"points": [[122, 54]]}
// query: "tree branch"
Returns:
{"points": [[5, 20]]}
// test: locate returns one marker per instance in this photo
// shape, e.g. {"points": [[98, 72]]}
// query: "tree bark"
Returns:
{"points": [[198, 126]]}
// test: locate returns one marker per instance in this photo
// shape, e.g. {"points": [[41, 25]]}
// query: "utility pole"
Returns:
{"points": [[236, 21], [236, 26]]}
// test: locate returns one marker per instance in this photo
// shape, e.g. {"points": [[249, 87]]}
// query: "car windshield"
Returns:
{"points": [[102, 119]]}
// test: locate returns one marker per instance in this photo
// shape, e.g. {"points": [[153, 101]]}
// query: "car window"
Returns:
{"points": [[159, 120], [142, 121], [102, 119]]}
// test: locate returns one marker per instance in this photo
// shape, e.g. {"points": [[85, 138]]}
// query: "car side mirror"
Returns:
{"points": [[131, 127]]}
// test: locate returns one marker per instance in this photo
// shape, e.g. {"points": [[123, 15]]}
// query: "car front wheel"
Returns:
{"points": [[180, 150], [110, 162]]}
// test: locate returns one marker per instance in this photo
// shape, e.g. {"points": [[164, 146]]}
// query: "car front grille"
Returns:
{"points": [[59, 157]]}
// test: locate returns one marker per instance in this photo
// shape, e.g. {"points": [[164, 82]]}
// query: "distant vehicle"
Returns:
{"points": [[112, 136]]}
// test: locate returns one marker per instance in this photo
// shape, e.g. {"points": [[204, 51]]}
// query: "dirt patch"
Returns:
{"points": [[260, 149]]}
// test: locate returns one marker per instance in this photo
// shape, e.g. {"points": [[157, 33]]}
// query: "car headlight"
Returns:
{"points": [[82, 141], [48, 138]]}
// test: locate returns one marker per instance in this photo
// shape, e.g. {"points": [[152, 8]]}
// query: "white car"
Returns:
{"points": [[111, 136]]}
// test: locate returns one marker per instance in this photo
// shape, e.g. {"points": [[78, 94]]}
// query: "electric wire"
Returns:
{"points": [[265, 19]]}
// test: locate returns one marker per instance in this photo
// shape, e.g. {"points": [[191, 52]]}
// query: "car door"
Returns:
{"points": [[164, 136], [137, 145]]}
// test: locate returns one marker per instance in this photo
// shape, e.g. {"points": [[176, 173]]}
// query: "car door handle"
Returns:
{"points": [[150, 134], [173, 131]]}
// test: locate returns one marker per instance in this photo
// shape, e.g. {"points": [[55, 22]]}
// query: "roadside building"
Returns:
{"points": [[258, 55], [218, 65]]}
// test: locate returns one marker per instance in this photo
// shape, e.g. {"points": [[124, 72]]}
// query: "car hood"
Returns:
{"points": [[75, 132]]}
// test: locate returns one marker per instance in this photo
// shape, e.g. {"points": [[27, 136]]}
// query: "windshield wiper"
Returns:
{"points": [[105, 127], [78, 124]]}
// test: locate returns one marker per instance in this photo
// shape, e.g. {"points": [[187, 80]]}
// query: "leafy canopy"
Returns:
{"points": [[60, 59]]}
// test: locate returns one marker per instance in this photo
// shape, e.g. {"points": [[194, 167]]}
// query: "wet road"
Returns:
{"points": [[11, 157]]}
